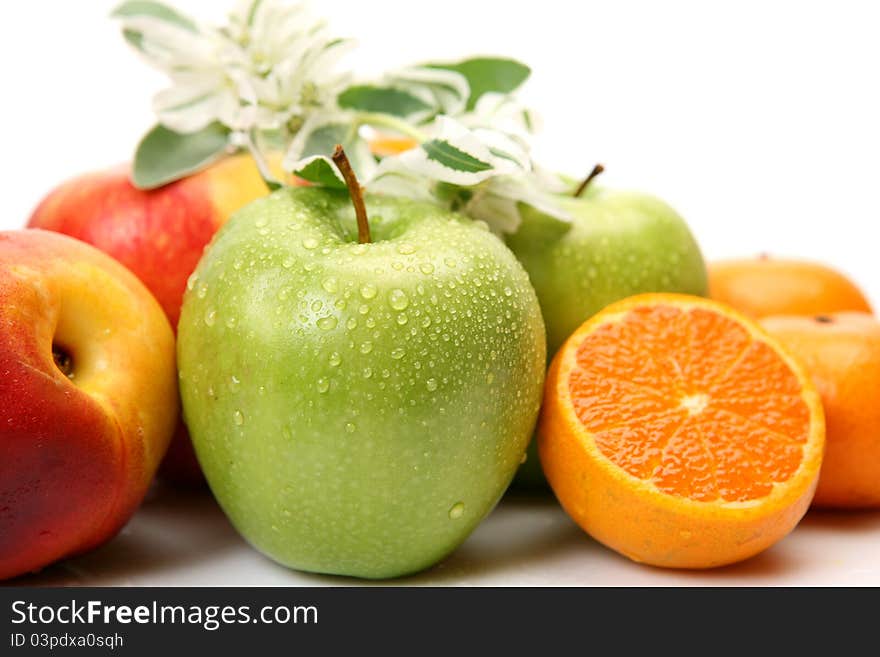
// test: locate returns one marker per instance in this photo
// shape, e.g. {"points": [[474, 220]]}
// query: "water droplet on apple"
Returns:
{"points": [[398, 353], [368, 372], [327, 323], [330, 285], [262, 221], [525, 457], [426, 322], [349, 427], [507, 292], [230, 322], [406, 249], [335, 359], [456, 511], [368, 290], [210, 317], [351, 324], [363, 309], [426, 268], [449, 262], [287, 263], [323, 385], [238, 418], [202, 292], [310, 243], [398, 299], [234, 383], [402, 319], [191, 281], [366, 347], [317, 304], [431, 384]]}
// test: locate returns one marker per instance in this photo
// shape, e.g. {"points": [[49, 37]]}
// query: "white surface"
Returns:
{"points": [[757, 120], [182, 539]]}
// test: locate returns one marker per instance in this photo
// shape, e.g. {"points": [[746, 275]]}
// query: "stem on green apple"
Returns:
{"points": [[586, 182], [355, 191]]}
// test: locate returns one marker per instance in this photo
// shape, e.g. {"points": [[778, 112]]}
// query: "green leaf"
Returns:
{"points": [[320, 171], [134, 8], [252, 12], [453, 158], [134, 38], [489, 74], [323, 139], [385, 100], [164, 155], [319, 136]]}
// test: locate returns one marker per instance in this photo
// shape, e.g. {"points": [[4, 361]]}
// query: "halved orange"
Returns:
{"points": [[679, 433]]}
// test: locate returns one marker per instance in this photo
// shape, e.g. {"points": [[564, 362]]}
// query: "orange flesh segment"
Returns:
{"points": [[691, 401]]}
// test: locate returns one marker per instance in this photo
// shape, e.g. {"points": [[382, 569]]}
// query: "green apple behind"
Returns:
{"points": [[617, 245], [357, 409]]}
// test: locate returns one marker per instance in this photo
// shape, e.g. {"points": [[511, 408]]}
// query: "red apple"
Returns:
{"points": [[88, 397], [159, 235]]}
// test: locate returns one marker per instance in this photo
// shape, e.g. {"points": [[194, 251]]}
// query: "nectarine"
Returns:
{"points": [[158, 234], [88, 397]]}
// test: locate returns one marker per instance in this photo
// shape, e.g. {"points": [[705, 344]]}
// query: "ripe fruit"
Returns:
{"points": [[765, 286], [88, 392], [159, 235], [618, 244], [358, 408], [678, 433], [842, 354]]}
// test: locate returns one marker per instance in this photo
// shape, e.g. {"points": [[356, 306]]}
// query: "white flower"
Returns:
{"points": [[457, 155], [503, 113], [273, 62], [491, 168]]}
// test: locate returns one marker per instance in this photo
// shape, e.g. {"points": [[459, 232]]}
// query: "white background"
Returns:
{"points": [[759, 121]]}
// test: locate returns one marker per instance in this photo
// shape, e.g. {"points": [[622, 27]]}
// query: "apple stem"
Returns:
{"points": [[355, 191], [586, 182]]}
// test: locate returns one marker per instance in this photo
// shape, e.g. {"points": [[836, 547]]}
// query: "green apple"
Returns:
{"points": [[358, 408], [618, 244]]}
